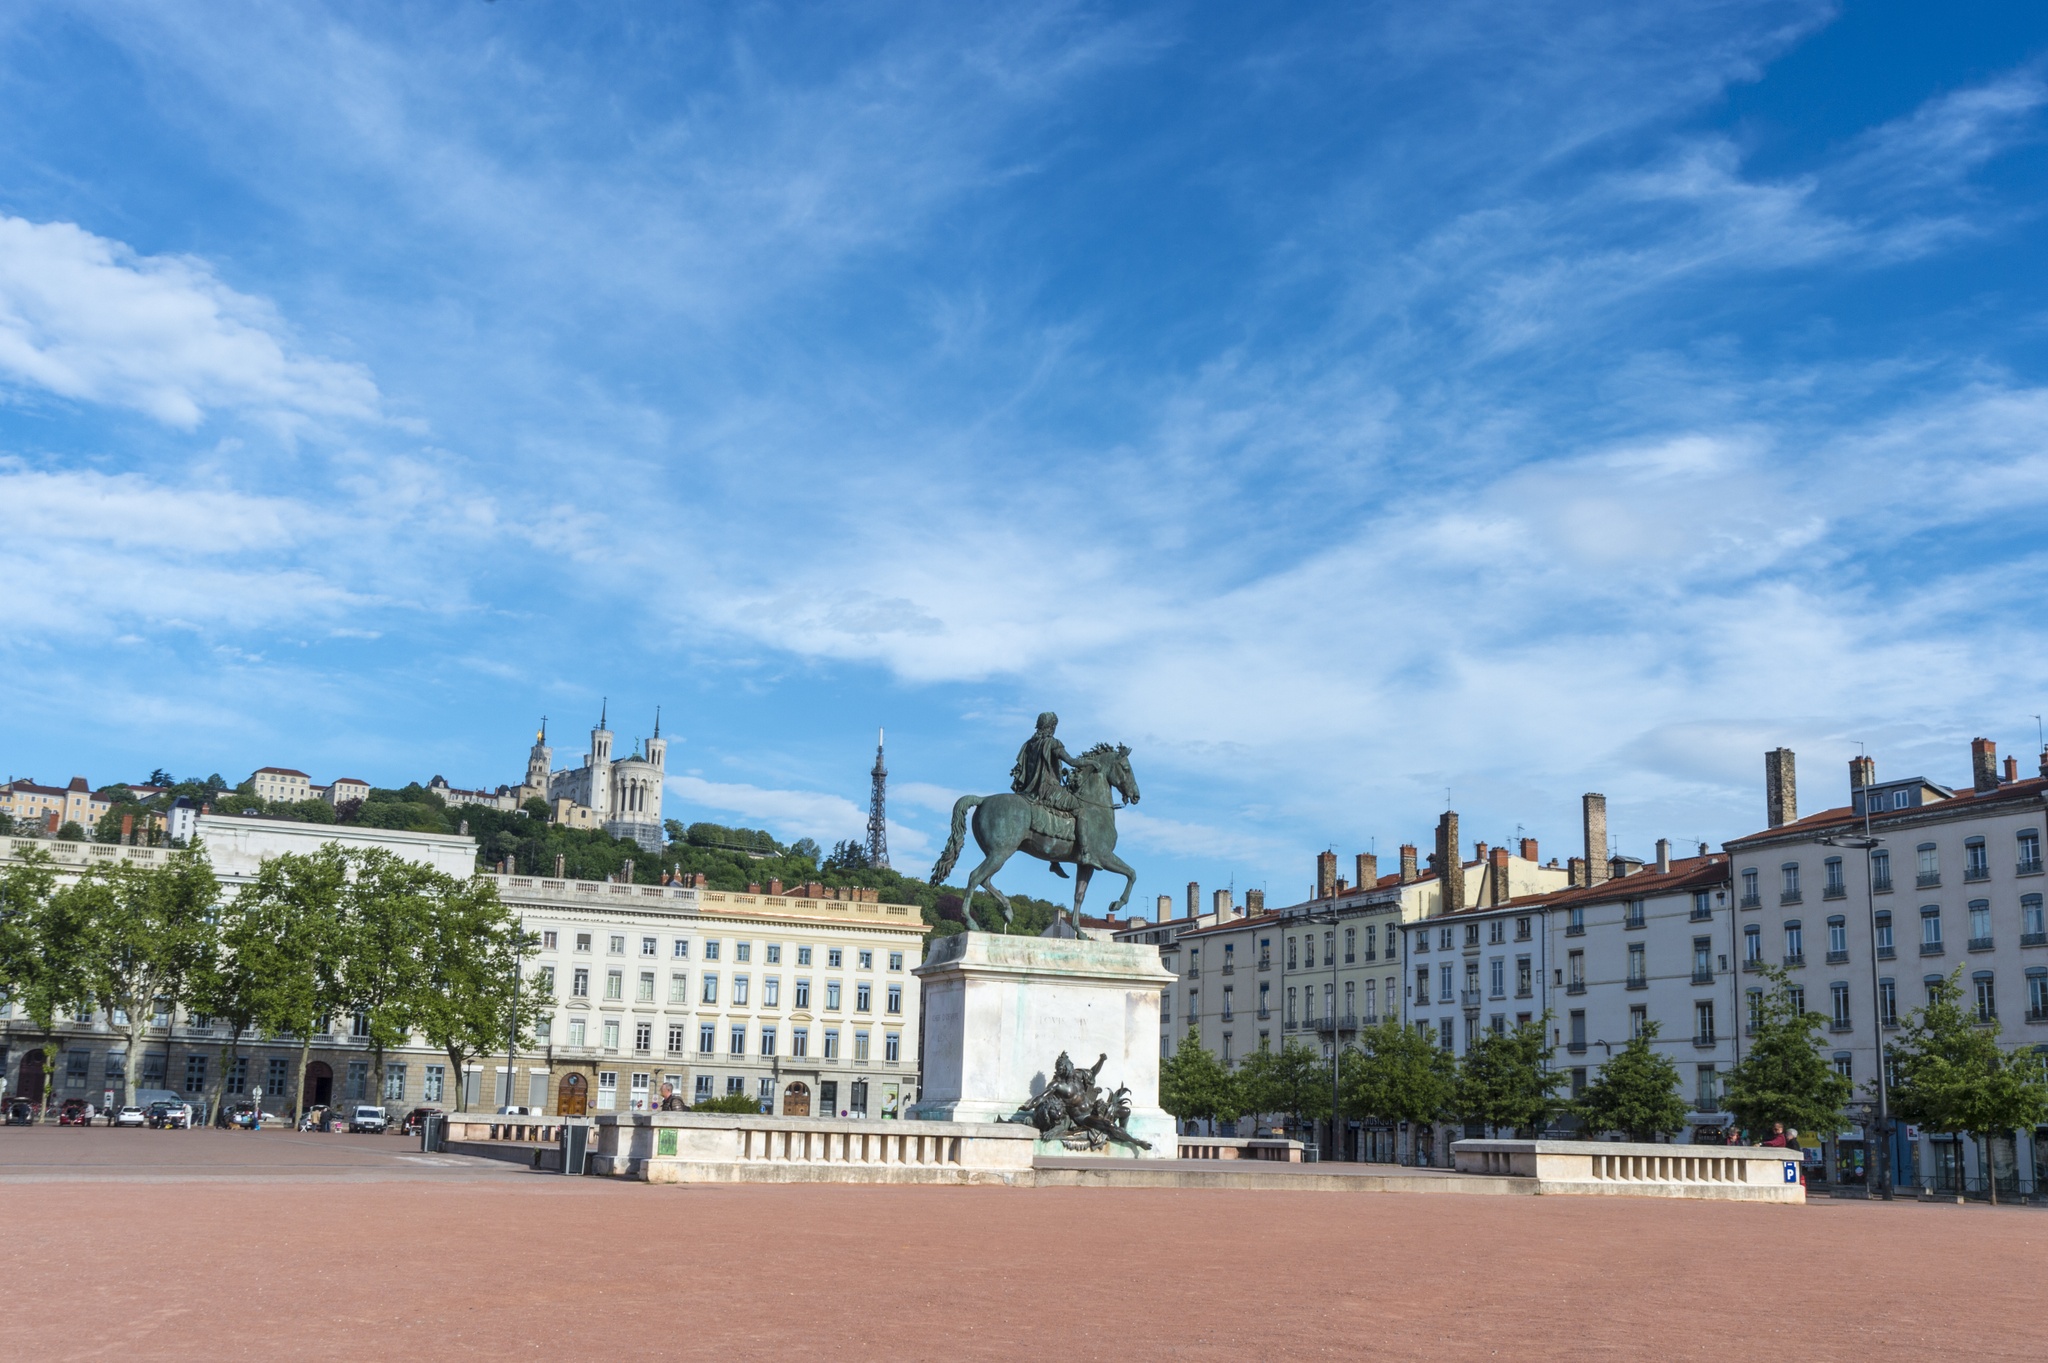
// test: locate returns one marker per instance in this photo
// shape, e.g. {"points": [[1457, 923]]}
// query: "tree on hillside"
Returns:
{"points": [[1397, 1074], [1954, 1078], [1194, 1085], [1783, 1077], [1636, 1092], [1505, 1079], [142, 933]]}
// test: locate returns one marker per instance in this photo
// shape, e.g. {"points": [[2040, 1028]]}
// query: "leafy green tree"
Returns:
{"points": [[142, 934], [387, 910], [472, 956], [1194, 1085], [226, 987], [1784, 1078], [1505, 1079], [1397, 1074], [1636, 1092], [1293, 1081], [41, 955], [290, 928], [71, 831], [1953, 1076]]}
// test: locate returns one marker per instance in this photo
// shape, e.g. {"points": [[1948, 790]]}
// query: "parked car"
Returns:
{"points": [[367, 1117], [417, 1118], [313, 1119], [131, 1115], [73, 1113], [168, 1115], [21, 1112]]}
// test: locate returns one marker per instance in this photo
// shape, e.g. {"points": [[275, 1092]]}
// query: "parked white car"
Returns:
{"points": [[130, 1116]]}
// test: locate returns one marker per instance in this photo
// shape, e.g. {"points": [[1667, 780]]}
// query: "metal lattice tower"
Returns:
{"points": [[878, 824]]}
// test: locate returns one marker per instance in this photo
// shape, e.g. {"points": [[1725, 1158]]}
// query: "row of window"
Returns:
{"points": [[767, 1039], [1976, 866], [1307, 994], [742, 952], [742, 990], [2033, 924]]}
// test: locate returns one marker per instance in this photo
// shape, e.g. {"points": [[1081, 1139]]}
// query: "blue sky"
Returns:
{"points": [[1348, 407]]}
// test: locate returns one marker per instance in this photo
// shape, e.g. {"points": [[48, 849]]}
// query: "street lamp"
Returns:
{"points": [[1882, 1128], [256, 1117]]}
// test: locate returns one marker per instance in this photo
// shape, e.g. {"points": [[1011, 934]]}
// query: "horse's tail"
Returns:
{"points": [[951, 855]]}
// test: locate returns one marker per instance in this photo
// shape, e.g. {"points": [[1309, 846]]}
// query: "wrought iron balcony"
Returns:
{"points": [[2034, 939], [1752, 901], [1347, 1023], [1468, 998], [1835, 892], [1980, 944], [1795, 960], [1841, 1025], [1702, 977], [1972, 873], [1881, 884], [1752, 964], [1792, 897], [1927, 879], [1930, 949], [1575, 987], [1265, 1014], [1638, 982], [1838, 958], [2028, 868]]}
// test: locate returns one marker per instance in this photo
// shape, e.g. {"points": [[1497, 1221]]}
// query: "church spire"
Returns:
{"points": [[604, 709], [657, 721]]}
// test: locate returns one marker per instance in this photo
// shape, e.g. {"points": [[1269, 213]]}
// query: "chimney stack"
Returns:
{"points": [[1194, 900], [1781, 788], [1663, 856], [1529, 849], [1594, 807], [2012, 770], [1984, 764], [1368, 868], [1254, 901], [1497, 873], [1226, 911], [1575, 872], [1326, 874], [1164, 908], [1408, 871], [1862, 772], [1450, 866]]}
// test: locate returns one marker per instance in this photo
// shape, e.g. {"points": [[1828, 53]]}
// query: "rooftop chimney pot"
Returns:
{"points": [[1594, 811], [1984, 764], [1781, 788]]}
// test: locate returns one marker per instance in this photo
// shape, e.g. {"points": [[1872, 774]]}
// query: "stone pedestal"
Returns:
{"points": [[998, 1011]]}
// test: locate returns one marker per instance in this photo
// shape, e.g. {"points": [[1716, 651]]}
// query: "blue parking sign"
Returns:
{"points": [[1791, 1172]]}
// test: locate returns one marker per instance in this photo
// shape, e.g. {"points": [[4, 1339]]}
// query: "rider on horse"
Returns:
{"points": [[1037, 777]]}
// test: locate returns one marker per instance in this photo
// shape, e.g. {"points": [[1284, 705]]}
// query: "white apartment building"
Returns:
{"points": [[1603, 962], [807, 1005], [1954, 879], [804, 1003], [281, 784]]}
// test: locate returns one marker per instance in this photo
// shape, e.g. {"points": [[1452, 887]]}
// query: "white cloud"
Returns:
{"points": [[86, 318], [791, 814]]}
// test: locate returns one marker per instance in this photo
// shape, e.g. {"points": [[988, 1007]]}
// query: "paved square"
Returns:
{"points": [[212, 1244]]}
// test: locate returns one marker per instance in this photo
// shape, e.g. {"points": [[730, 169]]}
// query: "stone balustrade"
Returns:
{"points": [[688, 1147], [1240, 1147], [1732, 1172]]}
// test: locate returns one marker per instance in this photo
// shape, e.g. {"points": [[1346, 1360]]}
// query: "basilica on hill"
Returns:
{"points": [[621, 795]]}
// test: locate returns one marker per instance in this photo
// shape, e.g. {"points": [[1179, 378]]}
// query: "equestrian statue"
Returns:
{"points": [[1059, 808]]}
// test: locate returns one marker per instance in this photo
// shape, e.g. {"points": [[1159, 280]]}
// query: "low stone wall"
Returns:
{"points": [[1615, 1168], [1240, 1147], [490, 1126], [686, 1147]]}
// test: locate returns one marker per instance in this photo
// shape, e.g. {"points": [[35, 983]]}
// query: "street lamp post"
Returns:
{"points": [[1881, 1133], [256, 1117]]}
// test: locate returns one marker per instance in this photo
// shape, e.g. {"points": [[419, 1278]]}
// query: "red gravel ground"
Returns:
{"points": [[209, 1246]]}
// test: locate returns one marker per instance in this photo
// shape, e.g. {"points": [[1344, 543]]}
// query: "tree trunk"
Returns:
{"points": [[299, 1087], [137, 1033], [377, 1071], [227, 1061], [1990, 1169]]}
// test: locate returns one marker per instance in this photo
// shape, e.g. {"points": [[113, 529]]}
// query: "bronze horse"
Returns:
{"points": [[1004, 826]]}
